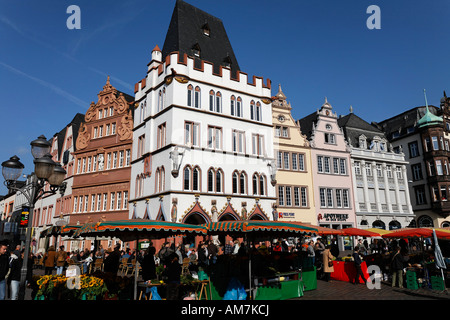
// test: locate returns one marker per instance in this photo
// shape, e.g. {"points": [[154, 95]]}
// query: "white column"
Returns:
{"points": [[365, 186], [397, 191], [386, 189], [375, 182]]}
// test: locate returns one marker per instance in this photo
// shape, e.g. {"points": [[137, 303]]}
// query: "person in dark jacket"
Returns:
{"points": [[397, 264], [148, 264], [4, 268], [357, 261], [112, 261], [15, 263]]}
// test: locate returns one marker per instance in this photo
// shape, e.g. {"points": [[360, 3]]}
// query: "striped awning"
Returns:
{"points": [[138, 229], [417, 232], [274, 227]]}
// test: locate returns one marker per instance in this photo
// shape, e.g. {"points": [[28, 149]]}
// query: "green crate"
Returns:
{"points": [[412, 285], [411, 275], [437, 283]]}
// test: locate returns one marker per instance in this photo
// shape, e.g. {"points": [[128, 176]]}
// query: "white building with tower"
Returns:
{"points": [[202, 136]]}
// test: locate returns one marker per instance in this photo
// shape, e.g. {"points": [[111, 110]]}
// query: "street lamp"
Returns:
{"points": [[45, 171], [273, 172]]}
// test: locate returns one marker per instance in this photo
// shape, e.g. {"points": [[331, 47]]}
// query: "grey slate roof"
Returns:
{"points": [[186, 32], [307, 123], [401, 122], [353, 127]]}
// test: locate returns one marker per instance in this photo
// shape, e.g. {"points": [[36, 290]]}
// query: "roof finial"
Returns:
{"points": [[425, 94], [351, 109], [107, 81], [326, 100]]}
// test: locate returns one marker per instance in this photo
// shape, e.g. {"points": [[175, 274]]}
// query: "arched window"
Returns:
{"points": [[137, 187], [187, 178], [160, 100], [252, 110], [258, 111], [211, 180], [233, 105], [211, 100], [161, 182], [239, 112], [218, 102], [262, 185], [196, 179], [255, 183], [157, 180], [197, 97], [190, 94], [394, 225], [235, 182], [379, 224], [242, 183], [425, 221], [219, 180]]}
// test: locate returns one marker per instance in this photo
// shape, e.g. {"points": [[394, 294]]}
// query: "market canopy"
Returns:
{"points": [[272, 228], [417, 232], [359, 232], [323, 231], [380, 231], [138, 229]]}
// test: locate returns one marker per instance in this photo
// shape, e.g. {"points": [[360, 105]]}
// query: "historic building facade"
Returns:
{"points": [[294, 188], [202, 130], [331, 171], [422, 135], [102, 159], [380, 183]]}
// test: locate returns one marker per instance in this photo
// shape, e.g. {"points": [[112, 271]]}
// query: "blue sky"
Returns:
{"points": [[314, 49]]}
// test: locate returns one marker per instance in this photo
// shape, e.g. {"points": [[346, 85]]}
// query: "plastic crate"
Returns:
{"points": [[413, 285], [411, 275], [437, 283]]}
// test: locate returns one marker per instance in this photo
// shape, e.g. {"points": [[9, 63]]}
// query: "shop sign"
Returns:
{"points": [[286, 215], [24, 217], [333, 217]]}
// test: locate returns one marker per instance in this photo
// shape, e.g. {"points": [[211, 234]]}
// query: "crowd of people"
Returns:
{"points": [[11, 262], [171, 257]]}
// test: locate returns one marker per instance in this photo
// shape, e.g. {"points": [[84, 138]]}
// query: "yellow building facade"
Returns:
{"points": [[294, 186]]}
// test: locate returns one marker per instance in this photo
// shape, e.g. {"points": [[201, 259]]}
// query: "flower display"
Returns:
{"points": [[82, 287]]}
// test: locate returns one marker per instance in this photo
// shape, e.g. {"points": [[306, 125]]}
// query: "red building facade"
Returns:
{"points": [[102, 168]]}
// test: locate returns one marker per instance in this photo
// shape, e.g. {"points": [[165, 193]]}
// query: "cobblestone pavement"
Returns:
{"points": [[340, 290]]}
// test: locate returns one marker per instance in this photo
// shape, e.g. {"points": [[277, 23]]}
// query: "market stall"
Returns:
{"points": [[345, 271], [425, 266], [133, 230], [264, 279]]}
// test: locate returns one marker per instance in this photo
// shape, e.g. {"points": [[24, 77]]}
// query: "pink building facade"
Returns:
{"points": [[332, 179]]}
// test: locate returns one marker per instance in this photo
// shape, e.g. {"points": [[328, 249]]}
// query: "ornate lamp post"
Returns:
{"points": [[45, 171], [273, 172]]}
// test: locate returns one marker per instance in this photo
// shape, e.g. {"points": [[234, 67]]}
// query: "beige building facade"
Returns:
{"points": [[294, 188]]}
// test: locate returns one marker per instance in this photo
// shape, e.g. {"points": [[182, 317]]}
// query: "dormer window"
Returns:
{"points": [[227, 62], [196, 50], [205, 29]]}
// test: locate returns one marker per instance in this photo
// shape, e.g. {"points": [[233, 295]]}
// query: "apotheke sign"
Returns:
{"points": [[333, 217]]}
